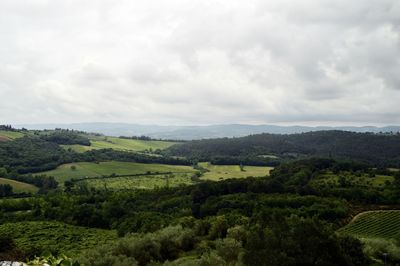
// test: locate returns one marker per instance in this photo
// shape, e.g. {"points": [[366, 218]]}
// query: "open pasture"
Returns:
{"points": [[10, 135], [86, 169], [140, 182], [375, 224], [19, 187], [121, 144], [220, 172]]}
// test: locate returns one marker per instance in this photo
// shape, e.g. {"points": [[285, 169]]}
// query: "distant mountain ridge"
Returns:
{"points": [[199, 132]]}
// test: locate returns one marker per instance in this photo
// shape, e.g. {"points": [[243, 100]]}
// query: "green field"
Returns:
{"points": [[19, 187], [56, 236], [85, 169], [10, 134], [375, 224], [78, 148], [121, 144], [140, 182], [220, 172]]}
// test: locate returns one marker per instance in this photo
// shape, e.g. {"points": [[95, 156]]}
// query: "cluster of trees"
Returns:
{"points": [[31, 154], [7, 128], [6, 190], [147, 138], [136, 137], [376, 149], [244, 160], [280, 241], [66, 137]]}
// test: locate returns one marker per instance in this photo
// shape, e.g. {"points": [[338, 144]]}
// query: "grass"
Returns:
{"points": [[78, 148], [56, 236], [86, 169], [19, 187], [121, 144], [220, 172], [375, 224], [140, 182], [10, 135]]}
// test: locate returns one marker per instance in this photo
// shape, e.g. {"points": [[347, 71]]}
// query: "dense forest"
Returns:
{"points": [[376, 149]]}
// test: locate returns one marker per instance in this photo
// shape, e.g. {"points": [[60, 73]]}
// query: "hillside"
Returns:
{"points": [[198, 132], [378, 149]]}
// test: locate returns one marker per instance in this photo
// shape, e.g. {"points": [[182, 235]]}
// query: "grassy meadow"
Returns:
{"points": [[10, 135], [121, 144], [19, 187], [140, 182], [86, 169], [220, 172]]}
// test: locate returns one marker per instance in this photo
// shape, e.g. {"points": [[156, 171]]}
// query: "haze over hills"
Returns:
{"points": [[199, 132]]}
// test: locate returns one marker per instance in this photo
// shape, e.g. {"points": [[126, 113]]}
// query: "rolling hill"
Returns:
{"points": [[377, 149]]}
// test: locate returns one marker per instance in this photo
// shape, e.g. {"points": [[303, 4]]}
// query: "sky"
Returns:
{"points": [[199, 62]]}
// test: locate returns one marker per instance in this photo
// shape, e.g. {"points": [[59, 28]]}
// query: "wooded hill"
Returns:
{"points": [[376, 149]]}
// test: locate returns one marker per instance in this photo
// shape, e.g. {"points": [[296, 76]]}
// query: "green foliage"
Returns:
{"points": [[30, 154], [299, 242], [6, 190], [55, 237], [163, 245], [382, 250], [66, 137], [377, 149], [48, 259]]}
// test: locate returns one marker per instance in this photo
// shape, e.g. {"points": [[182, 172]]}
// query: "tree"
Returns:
{"points": [[6, 190]]}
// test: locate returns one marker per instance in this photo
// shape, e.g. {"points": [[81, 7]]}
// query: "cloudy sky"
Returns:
{"points": [[200, 61]]}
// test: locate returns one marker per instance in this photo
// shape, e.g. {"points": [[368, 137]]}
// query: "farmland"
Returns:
{"points": [[220, 172], [19, 187], [86, 169], [102, 142], [375, 224], [56, 237], [10, 135], [140, 182]]}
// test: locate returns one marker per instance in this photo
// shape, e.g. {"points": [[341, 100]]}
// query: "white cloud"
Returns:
{"points": [[200, 62]]}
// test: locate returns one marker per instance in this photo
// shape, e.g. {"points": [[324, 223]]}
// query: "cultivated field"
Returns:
{"points": [[56, 236], [375, 224], [86, 169], [220, 172], [140, 182], [19, 187], [121, 144], [7, 135]]}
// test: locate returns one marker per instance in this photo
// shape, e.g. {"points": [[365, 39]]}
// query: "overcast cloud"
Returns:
{"points": [[200, 62]]}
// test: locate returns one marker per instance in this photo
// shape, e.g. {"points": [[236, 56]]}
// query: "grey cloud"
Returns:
{"points": [[200, 61]]}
